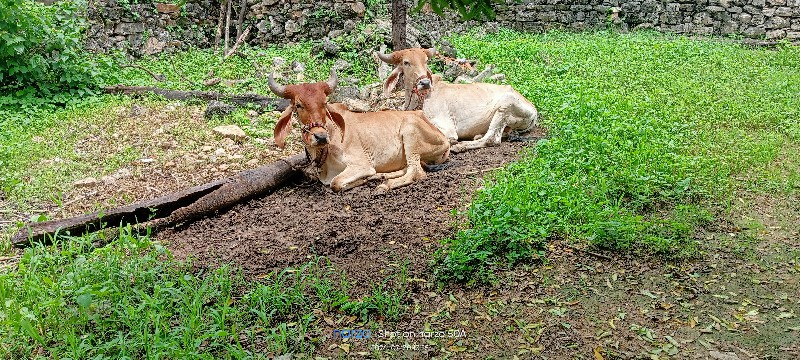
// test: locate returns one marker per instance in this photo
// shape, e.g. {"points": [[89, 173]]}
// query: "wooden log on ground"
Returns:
{"points": [[241, 100], [182, 206]]}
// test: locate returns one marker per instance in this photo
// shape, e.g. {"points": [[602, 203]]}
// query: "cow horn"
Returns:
{"points": [[387, 58], [278, 89], [333, 80], [431, 52]]}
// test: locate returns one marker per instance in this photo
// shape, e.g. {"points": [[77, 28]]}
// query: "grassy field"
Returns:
{"points": [[652, 139]]}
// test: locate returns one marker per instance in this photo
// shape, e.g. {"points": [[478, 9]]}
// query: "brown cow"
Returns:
{"points": [[480, 113], [354, 148]]}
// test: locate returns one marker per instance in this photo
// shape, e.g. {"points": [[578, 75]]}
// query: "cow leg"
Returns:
{"points": [[447, 126], [390, 175], [412, 173], [492, 136], [351, 177]]}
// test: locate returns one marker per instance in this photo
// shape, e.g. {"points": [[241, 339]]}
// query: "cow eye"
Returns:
{"points": [[406, 63], [299, 106]]}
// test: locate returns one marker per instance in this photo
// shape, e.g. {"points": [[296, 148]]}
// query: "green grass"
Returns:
{"points": [[649, 136], [130, 299]]}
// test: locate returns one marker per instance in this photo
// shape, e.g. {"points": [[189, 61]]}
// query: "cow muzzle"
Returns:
{"points": [[315, 134], [424, 83]]}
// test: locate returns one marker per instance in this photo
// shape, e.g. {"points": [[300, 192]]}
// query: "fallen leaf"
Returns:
{"points": [[597, 354], [648, 294]]}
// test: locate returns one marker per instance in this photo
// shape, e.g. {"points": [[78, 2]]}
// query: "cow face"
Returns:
{"points": [[413, 65], [310, 103]]}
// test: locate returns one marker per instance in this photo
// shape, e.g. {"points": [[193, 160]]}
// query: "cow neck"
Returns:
{"points": [[319, 155], [420, 96]]}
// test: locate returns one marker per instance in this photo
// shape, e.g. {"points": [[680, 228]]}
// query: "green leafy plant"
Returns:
{"points": [[42, 61]]}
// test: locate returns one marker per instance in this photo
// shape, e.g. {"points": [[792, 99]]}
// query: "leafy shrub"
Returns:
{"points": [[41, 56]]}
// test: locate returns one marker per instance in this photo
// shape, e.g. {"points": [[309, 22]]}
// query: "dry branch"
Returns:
{"points": [[241, 100], [238, 42], [174, 208], [156, 77]]}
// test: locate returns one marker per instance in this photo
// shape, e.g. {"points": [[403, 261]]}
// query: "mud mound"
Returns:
{"points": [[363, 233]]}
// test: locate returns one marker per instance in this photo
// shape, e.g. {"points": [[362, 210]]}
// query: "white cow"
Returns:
{"points": [[480, 113]]}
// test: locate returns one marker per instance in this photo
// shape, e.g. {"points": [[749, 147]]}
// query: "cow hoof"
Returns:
{"points": [[381, 189]]}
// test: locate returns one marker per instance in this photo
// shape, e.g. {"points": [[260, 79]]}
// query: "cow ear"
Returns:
{"points": [[283, 127], [436, 78], [337, 118], [391, 81]]}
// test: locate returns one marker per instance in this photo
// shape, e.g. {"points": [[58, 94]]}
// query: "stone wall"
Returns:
{"points": [[149, 28], [757, 19]]}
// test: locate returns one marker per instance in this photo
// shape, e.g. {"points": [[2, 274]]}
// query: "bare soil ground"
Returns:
{"points": [[362, 232]]}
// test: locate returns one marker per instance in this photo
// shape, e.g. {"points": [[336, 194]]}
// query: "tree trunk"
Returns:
{"points": [[174, 208], [399, 41], [241, 100]]}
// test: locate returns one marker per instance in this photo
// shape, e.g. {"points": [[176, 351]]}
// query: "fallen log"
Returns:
{"points": [[241, 100], [179, 207]]}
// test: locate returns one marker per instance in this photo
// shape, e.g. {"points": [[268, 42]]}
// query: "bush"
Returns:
{"points": [[41, 55]]}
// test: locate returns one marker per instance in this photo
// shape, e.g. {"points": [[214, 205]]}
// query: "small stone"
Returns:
{"points": [[252, 162], [212, 81], [219, 151], [122, 173], [359, 8], [108, 179], [236, 157], [218, 108], [252, 113], [228, 143], [723, 355], [169, 164], [207, 148], [147, 160], [497, 77], [341, 65], [266, 142], [136, 110], [291, 27], [167, 8], [86, 182], [329, 47], [223, 167], [278, 62], [232, 132], [298, 67]]}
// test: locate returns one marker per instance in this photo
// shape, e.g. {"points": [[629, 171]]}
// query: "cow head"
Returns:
{"points": [[413, 65], [310, 103]]}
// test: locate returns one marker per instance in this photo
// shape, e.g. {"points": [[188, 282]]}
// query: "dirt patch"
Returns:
{"points": [[363, 233]]}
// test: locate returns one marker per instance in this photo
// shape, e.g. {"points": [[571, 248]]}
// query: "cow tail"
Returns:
{"points": [[439, 167]]}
